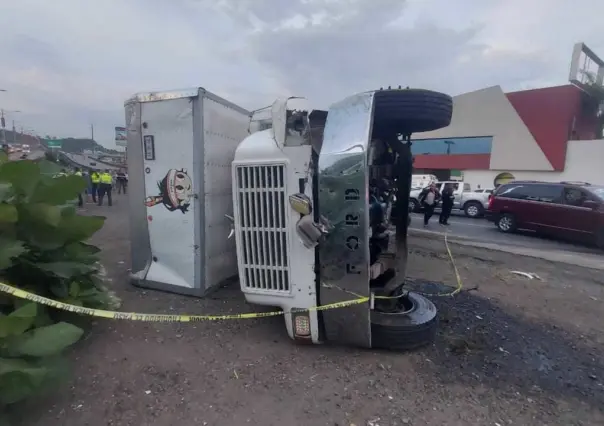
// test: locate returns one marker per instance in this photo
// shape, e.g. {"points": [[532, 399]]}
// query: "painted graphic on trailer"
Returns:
{"points": [[175, 191]]}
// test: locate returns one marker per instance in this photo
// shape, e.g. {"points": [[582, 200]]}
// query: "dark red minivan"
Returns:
{"points": [[569, 210]]}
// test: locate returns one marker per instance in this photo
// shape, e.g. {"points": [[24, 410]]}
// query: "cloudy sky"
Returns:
{"points": [[69, 63]]}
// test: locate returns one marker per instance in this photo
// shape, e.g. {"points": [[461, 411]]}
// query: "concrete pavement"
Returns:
{"points": [[480, 233]]}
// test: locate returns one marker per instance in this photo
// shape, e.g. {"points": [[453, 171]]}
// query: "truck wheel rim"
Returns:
{"points": [[505, 223], [411, 205], [472, 210]]}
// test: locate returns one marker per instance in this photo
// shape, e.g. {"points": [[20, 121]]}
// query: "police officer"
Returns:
{"points": [[105, 187], [95, 179], [78, 172]]}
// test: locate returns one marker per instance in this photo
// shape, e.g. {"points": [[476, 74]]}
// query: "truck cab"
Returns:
{"points": [[313, 193]]}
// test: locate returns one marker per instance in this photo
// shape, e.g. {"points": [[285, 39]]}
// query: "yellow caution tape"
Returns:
{"points": [[131, 316], [458, 288]]}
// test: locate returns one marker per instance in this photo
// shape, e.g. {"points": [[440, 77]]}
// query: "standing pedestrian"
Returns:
{"points": [[95, 178], [121, 182], [448, 197], [105, 188], [428, 199], [78, 172]]}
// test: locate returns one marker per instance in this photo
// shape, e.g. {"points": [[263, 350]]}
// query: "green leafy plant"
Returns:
{"points": [[44, 250]]}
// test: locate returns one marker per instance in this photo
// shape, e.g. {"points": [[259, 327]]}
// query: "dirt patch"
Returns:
{"points": [[513, 351]]}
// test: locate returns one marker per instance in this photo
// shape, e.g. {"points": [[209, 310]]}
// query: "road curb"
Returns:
{"points": [[585, 260]]}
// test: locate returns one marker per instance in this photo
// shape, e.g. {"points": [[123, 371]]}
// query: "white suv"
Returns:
{"points": [[473, 203]]}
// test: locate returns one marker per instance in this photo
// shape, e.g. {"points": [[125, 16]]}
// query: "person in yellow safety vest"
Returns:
{"points": [[77, 172], [105, 187], [95, 179]]}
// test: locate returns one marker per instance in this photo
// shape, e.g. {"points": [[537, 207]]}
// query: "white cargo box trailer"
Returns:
{"points": [[180, 148]]}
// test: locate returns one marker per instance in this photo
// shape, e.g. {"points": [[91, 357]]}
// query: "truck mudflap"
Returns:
{"points": [[343, 202]]}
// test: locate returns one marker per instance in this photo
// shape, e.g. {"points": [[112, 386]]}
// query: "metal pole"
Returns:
{"points": [[3, 124], [14, 133]]}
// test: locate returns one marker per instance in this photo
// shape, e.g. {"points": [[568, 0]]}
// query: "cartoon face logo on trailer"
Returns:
{"points": [[175, 191]]}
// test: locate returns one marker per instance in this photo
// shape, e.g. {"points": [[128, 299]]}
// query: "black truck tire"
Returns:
{"points": [[408, 330], [412, 110]]}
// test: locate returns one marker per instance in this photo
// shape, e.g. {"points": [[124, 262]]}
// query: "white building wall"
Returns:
{"points": [[584, 162], [488, 112]]}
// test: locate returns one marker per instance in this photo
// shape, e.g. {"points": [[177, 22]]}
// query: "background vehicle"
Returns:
{"points": [[473, 203], [482, 191], [569, 210], [421, 181]]}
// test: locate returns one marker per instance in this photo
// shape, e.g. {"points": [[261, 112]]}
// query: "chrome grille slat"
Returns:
{"points": [[262, 227]]}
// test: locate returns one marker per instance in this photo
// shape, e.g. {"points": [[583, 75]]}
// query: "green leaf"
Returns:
{"points": [[46, 341], [6, 191], [9, 249], [74, 289], [23, 175], [80, 228], [66, 269], [49, 167], [8, 213], [59, 190], [43, 213], [18, 321], [20, 379]]}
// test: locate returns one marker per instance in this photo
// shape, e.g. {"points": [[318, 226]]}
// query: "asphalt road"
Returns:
{"points": [[480, 230], [33, 155]]}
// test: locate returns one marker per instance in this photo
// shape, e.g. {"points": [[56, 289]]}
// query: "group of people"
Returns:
{"points": [[100, 184], [429, 199]]}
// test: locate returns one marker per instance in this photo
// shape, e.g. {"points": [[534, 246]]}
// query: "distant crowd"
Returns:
{"points": [[99, 184]]}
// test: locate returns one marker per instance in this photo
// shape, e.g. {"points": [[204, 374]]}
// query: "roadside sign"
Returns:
{"points": [[54, 143], [121, 136]]}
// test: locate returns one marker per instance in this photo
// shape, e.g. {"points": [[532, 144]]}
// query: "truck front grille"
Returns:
{"points": [[263, 252]]}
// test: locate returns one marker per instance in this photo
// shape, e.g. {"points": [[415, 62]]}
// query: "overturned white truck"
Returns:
{"points": [[319, 204]]}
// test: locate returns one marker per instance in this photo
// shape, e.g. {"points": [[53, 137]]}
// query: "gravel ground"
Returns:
{"points": [[510, 351]]}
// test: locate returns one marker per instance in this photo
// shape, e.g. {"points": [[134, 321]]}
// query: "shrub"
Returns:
{"points": [[44, 250]]}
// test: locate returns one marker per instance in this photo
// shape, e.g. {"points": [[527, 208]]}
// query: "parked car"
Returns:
{"points": [[474, 204], [569, 210], [481, 191]]}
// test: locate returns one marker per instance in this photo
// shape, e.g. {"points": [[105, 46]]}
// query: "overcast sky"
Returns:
{"points": [[68, 63]]}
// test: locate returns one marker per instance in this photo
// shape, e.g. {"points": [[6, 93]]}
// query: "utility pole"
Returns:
{"points": [[3, 122], [14, 133], [92, 131]]}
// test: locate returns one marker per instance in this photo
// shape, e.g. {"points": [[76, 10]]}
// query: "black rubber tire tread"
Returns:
{"points": [[474, 203], [512, 228], [416, 206], [413, 110], [408, 331]]}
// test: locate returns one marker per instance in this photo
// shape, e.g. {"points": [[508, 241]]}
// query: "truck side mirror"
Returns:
{"points": [[591, 204]]}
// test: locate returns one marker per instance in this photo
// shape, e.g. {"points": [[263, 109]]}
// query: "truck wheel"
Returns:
{"points": [[412, 110], [473, 209], [412, 327], [506, 223], [413, 205]]}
